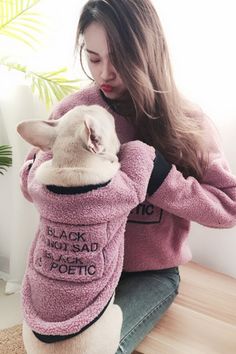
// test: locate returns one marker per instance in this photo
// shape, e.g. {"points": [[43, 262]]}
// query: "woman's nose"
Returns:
{"points": [[108, 72]]}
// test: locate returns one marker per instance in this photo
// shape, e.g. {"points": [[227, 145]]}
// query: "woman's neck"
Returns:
{"points": [[123, 106]]}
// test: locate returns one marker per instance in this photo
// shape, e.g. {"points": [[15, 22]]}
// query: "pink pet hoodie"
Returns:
{"points": [[76, 258]]}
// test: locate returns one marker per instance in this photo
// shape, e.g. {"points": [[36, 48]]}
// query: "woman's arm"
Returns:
{"points": [[213, 201]]}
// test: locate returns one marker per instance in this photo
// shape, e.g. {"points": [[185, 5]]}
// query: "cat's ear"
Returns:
{"points": [[40, 133]]}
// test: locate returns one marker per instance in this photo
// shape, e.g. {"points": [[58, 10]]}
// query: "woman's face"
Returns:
{"points": [[100, 66]]}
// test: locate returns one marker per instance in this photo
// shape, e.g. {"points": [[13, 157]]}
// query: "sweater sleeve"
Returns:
{"points": [[136, 159], [213, 201]]}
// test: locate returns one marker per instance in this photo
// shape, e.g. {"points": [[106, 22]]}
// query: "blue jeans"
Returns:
{"points": [[144, 297]]}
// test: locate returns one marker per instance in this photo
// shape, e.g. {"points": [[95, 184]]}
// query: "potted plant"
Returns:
{"points": [[5, 157]]}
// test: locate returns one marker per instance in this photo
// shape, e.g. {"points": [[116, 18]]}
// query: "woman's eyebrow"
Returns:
{"points": [[91, 51]]}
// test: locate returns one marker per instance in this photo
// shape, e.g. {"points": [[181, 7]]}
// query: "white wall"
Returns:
{"points": [[201, 38]]}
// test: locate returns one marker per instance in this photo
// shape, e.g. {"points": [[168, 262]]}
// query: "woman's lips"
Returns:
{"points": [[106, 88]]}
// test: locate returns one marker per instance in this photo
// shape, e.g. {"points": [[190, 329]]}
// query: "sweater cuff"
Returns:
{"points": [[161, 168]]}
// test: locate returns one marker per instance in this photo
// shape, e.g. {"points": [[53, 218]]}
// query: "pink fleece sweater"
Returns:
{"points": [[156, 234], [76, 258]]}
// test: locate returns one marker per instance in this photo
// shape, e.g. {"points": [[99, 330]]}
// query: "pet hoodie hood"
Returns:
{"points": [[76, 258]]}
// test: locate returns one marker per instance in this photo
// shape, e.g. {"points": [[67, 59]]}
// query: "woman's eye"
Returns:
{"points": [[94, 61]]}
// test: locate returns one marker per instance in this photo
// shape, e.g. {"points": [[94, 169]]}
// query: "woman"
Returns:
{"points": [[129, 63]]}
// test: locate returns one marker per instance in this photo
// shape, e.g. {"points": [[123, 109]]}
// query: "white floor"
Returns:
{"points": [[10, 311]]}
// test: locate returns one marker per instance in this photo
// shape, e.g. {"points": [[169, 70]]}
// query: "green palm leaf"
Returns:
{"points": [[50, 86], [5, 157], [18, 21]]}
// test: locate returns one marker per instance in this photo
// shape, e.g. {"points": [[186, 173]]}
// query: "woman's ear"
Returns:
{"points": [[94, 141], [40, 133]]}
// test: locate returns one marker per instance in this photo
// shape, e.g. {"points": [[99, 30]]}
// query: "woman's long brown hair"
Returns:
{"points": [[139, 52]]}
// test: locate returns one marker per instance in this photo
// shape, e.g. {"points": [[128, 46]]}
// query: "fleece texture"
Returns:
{"points": [[157, 230], [76, 258]]}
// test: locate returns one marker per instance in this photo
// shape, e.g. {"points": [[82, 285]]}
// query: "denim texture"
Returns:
{"points": [[144, 297]]}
